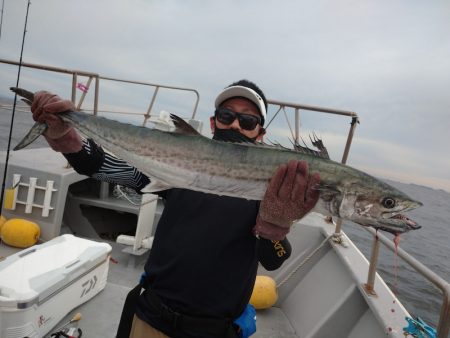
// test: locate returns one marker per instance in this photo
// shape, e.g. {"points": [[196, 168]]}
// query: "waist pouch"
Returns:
{"points": [[214, 326], [218, 327], [246, 322]]}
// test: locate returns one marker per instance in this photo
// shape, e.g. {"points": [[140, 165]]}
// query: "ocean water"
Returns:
{"points": [[430, 245]]}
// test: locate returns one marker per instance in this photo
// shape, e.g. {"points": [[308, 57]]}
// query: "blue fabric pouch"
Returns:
{"points": [[247, 322]]}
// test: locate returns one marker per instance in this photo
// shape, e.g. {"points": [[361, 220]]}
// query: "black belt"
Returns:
{"points": [[213, 326]]}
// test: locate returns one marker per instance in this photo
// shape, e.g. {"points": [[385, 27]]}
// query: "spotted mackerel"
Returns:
{"points": [[185, 159]]}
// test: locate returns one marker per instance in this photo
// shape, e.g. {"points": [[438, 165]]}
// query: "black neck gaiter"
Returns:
{"points": [[231, 135]]}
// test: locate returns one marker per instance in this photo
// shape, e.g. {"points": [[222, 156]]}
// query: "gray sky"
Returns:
{"points": [[387, 60]]}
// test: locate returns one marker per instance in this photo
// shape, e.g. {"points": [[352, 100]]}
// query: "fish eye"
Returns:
{"points": [[388, 202]]}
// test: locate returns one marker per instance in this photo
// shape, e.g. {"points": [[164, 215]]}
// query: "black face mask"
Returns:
{"points": [[231, 135]]}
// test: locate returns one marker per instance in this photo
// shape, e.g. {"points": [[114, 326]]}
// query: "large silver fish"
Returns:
{"points": [[186, 159]]}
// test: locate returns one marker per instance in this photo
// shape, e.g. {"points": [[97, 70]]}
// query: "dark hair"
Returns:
{"points": [[251, 85]]}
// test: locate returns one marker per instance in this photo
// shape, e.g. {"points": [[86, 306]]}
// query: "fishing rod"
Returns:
{"points": [[1, 18], [14, 108]]}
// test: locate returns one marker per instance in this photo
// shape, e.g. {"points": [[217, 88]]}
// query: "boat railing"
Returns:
{"points": [[280, 106], [443, 327], [84, 88]]}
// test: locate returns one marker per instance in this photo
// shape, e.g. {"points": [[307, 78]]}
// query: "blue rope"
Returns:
{"points": [[419, 329]]}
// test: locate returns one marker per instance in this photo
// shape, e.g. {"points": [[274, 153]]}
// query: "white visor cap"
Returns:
{"points": [[241, 91]]}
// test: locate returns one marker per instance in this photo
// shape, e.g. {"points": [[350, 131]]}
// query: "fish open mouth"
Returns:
{"points": [[408, 222]]}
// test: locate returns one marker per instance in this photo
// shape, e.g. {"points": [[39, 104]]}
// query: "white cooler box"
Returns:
{"points": [[42, 284]]}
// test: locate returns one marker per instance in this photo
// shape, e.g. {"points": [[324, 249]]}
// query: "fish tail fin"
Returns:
{"points": [[38, 128], [28, 96], [35, 131]]}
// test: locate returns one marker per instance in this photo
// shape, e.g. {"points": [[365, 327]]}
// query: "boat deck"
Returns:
{"points": [[101, 315], [323, 298]]}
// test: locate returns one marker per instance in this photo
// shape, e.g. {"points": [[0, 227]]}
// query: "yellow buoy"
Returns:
{"points": [[9, 198], [264, 293], [20, 233], [2, 221]]}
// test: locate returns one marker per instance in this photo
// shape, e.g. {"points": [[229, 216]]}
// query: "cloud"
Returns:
{"points": [[387, 61]]}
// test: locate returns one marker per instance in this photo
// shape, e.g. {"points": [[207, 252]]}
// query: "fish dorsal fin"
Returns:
{"points": [[182, 127], [316, 142], [304, 149]]}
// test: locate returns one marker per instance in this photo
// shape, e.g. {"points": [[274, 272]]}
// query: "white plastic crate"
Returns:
{"points": [[42, 284]]}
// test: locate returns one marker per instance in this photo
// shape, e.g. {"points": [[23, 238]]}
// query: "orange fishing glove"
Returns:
{"points": [[60, 135], [290, 195]]}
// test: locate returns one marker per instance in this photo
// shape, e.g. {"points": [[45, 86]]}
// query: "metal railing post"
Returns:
{"points": [[370, 285], [195, 105], [344, 161], [83, 95], [97, 88], [297, 125], [349, 139], [74, 87], [443, 328], [149, 110], [337, 230]]}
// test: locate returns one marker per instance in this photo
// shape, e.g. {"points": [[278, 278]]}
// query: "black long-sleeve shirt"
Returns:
{"points": [[204, 257]]}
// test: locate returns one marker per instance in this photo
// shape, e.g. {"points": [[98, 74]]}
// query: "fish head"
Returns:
{"points": [[383, 211], [371, 203]]}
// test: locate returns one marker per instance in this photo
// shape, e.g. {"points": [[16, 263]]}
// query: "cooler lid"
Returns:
{"points": [[34, 273]]}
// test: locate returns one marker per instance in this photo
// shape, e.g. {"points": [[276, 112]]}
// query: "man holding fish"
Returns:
{"points": [[202, 266]]}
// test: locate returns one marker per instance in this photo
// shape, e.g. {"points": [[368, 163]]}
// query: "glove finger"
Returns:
{"points": [[38, 96], [40, 100], [300, 183], [56, 128], [288, 180], [53, 120], [47, 118], [37, 113], [55, 124], [36, 106], [59, 106], [276, 181]]}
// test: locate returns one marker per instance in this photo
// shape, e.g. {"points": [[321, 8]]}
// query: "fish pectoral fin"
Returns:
{"points": [[182, 127], [327, 191], [155, 186], [326, 187]]}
